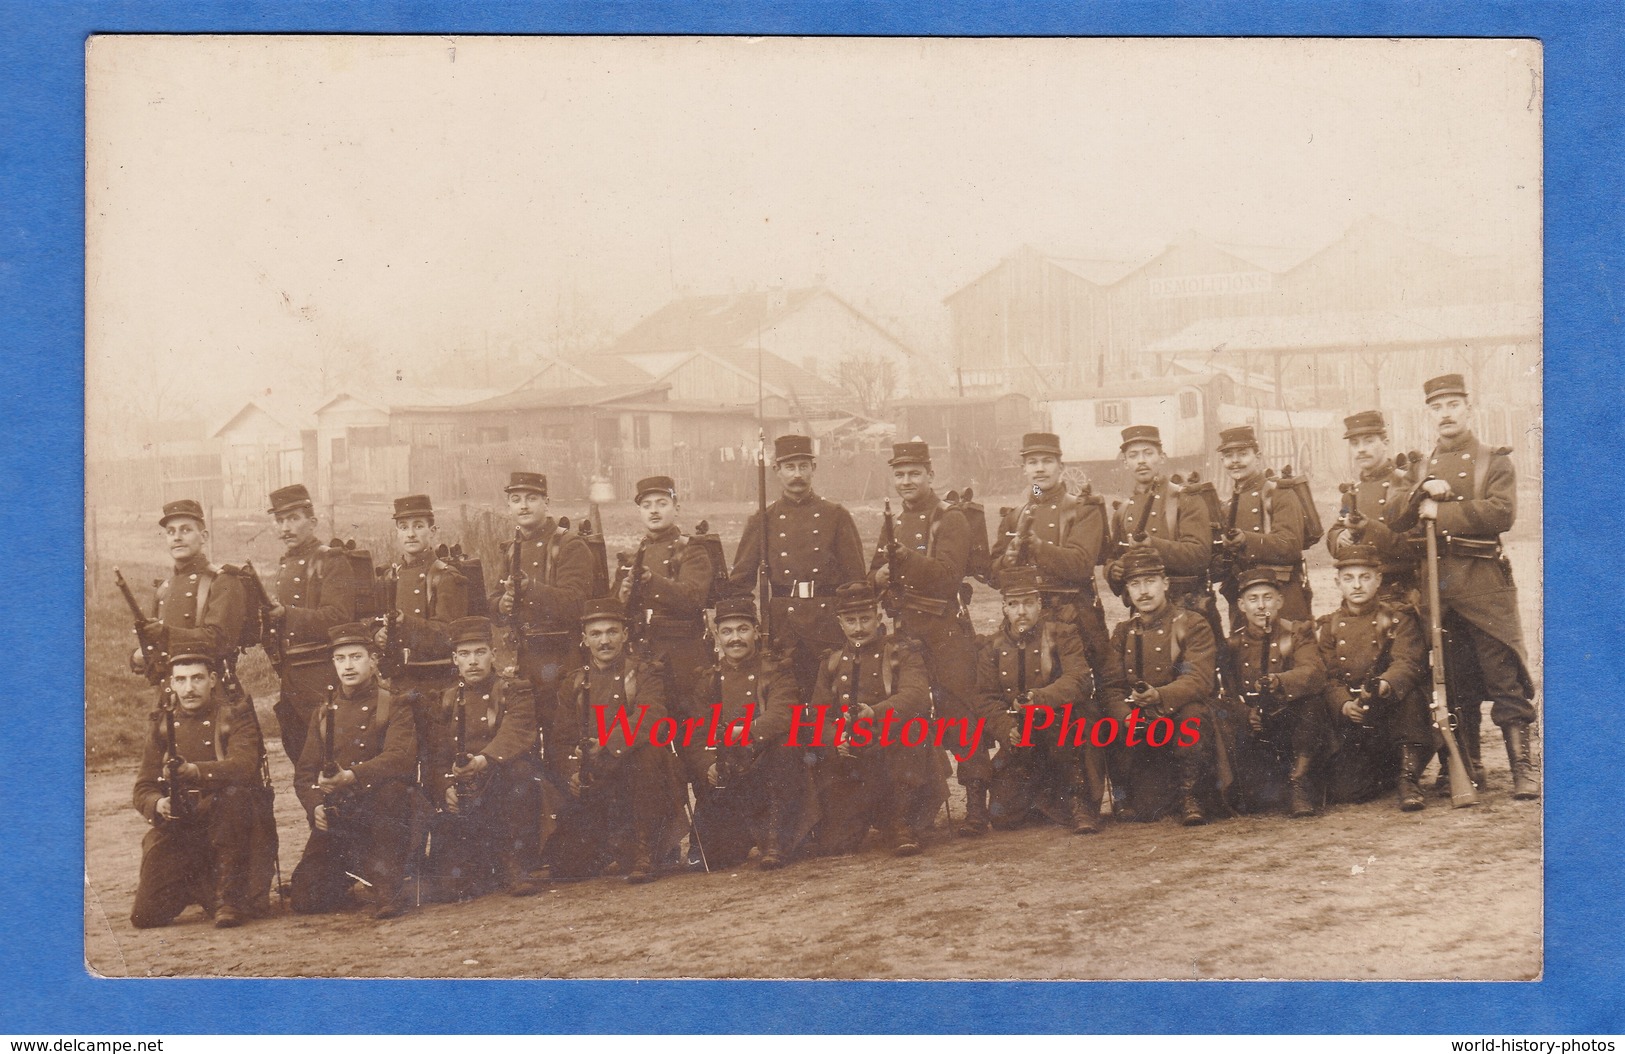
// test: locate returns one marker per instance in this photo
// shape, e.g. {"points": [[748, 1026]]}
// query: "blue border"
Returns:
{"points": [[46, 989]]}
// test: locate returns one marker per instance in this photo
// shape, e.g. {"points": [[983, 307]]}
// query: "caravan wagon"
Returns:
{"points": [[1184, 409]]}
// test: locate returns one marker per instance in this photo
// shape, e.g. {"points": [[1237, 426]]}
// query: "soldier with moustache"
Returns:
{"points": [[198, 850], [1380, 499], [543, 607], [627, 793], [864, 786], [1471, 493], [1160, 516], [1277, 675], [670, 628], [355, 778], [481, 773], [1063, 537], [1031, 660], [1263, 528], [313, 593], [1170, 657], [429, 596], [200, 611], [1375, 656], [812, 549], [930, 546], [761, 790]]}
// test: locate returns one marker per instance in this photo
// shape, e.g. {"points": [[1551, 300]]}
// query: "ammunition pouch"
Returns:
{"points": [[1471, 548]]}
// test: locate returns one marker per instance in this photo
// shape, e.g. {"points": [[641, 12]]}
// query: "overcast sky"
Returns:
{"points": [[256, 204]]}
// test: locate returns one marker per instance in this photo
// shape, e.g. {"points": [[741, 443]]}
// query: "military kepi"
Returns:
{"points": [[655, 485], [855, 597], [289, 498], [1141, 434], [1040, 443], [188, 658], [1258, 576], [1237, 438], [1449, 384], [184, 507], [1019, 581], [787, 447], [1364, 423], [414, 505], [349, 633], [534, 482], [1358, 556], [913, 452], [1141, 560], [603, 608], [736, 607], [471, 629]]}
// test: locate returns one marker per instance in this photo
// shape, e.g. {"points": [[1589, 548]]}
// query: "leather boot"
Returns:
{"points": [[514, 880], [1470, 732], [1190, 772], [905, 842], [1412, 760], [1083, 816], [976, 821], [1300, 802], [642, 869], [1524, 785], [772, 834]]}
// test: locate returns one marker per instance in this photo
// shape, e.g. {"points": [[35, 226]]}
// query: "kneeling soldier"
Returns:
{"points": [[482, 774], [761, 791], [628, 794], [354, 779], [1170, 656], [1276, 668], [1034, 661], [878, 679], [202, 810], [1374, 654]]}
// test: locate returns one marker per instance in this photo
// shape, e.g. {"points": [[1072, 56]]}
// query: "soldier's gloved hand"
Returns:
{"points": [[1270, 683], [711, 775], [380, 637], [1354, 711], [1385, 690], [882, 577], [320, 817], [476, 764], [1114, 575], [161, 810], [338, 781], [451, 798], [276, 613], [1437, 489], [863, 710], [137, 664], [505, 605], [1255, 719], [1429, 509], [1234, 540]]}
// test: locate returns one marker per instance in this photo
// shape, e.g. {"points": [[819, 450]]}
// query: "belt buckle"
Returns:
{"points": [[803, 590]]}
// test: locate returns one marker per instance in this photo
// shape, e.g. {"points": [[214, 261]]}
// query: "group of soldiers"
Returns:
{"points": [[415, 755]]}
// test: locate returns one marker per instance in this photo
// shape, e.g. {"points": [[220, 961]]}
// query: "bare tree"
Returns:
{"points": [[869, 378]]}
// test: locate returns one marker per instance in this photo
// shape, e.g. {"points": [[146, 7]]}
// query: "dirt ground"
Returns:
{"points": [[1353, 893]]}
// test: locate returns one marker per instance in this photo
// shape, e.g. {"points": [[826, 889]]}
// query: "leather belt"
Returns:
{"points": [[1473, 548], [800, 590]]}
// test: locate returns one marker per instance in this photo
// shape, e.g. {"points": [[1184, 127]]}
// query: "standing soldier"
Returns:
{"points": [[354, 779], [862, 786], [1277, 675], [199, 787], [481, 773], [426, 596], [1158, 515], [1263, 528], [762, 793], [666, 605], [200, 611], [1063, 536], [1471, 493], [1375, 659], [920, 566], [812, 547], [549, 578], [1379, 500], [1170, 657], [1031, 660], [312, 595], [628, 794]]}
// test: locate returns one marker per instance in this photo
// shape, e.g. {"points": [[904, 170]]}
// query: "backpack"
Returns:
{"points": [[595, 543], [473, 571], [711, 545], [368, 585], [1298, 488], [979, 565], [1087, 497]]}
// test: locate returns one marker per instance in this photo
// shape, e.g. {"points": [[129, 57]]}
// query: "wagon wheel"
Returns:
{"points": [[1075, 478]]}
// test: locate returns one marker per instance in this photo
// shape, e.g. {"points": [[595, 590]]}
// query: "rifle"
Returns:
{"points": [[844, 749], [1137, 624], [461, 756], [1223, 565], [892, 600], [330, 764], [1261, 700], [182, 802], [393, 660], [637, 612], [1369, 689], [516, 581], [271, 633], [153, 659], [1462, 791], [1138, 536], [764, 576]]}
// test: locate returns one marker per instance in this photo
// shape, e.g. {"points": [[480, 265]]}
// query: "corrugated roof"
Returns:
{"points": [[1435, 327]]}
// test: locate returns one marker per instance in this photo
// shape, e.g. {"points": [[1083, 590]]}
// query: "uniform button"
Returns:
{"points": [[1382, 501], [188, 594], [1462, 475], [1466, 457], [301, 563], [485, 698], [205, 724], [784, 554], [194, 578]]}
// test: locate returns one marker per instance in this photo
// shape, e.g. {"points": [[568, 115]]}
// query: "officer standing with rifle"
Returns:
{"points": [[314, 592], [1374, 504], [199, 787], [1264, 528], [1467, 501], [549, 578], [809, 547]]}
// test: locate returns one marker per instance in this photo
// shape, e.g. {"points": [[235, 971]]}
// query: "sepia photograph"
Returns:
{"points": [[813, 508]]}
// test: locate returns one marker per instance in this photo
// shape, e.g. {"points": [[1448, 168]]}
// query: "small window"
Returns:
{"points": [[640, 431], [491, 435], [1188, 407], [1112, 412]]}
